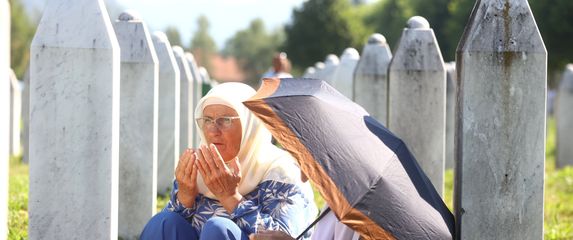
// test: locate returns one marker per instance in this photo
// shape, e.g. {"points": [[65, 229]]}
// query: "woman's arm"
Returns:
{"points": [[275, 206]]}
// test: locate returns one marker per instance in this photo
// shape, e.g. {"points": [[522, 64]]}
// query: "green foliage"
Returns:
{"points": [[558, 207], [389, 18], [174, 36], [322, 27], [460, 11], [254, 48], [202, 44], [554, 20], [22, 31], [162, 201]]}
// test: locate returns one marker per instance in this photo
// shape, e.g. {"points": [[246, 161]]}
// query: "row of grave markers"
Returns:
{"points": [[94, 127], [97, 99], [495, 104]]}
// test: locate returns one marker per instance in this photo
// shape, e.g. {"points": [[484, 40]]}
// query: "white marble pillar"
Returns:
{"points": [[197, 91], [168, 128], [500, 121], [16, 114], [417, 98], [371, 78], [564, 119], [74, 123], [138, 125], [319, 70], [330, 64], [450, 112], [310, 72], [4, 110], [343, 78], [186, 121], [25, 116]]}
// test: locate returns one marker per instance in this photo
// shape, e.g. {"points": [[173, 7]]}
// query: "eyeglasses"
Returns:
{"points": [[222, 123]]}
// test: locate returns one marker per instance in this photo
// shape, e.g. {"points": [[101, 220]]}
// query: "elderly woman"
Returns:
{"points": [[237, 182]]}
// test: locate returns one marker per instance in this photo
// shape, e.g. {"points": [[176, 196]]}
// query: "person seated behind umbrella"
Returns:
{"points": [[237, 182]]}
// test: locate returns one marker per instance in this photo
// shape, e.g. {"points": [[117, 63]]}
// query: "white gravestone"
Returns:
{"points": [[168, 126], [186, 121], [16, 114], [371, 78], [4, 110], [309, 72], [25, 116], [500, 122], [319, 70], [450, 112], [197, 91], [74, 123], [343, 78], [330, 64], [564, 118], [417, 98], [138, 125]]}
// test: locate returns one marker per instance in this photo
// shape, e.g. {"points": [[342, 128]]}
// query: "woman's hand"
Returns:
{"points": [[222, 180], [186, 175]]}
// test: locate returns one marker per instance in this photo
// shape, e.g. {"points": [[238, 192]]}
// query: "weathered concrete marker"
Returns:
{"points": [[500, 123], [138, 125], [168, 126], [417, 98], [74, 123], [5, 111], [564, 118], [371, 78], [343, 77]]}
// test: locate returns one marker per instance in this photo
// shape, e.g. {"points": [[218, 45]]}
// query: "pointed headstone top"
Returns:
{"points": [[160, 36], [129, 15], [178, 50], [350, 54], [310, 70], [417, 22], [376, 38], [331, 60]]}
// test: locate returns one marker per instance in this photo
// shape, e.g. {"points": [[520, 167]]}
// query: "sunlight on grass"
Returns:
{"points": [[18, 200]]}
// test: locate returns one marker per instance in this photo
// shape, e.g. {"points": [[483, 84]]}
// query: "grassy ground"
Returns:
{"points": [[18, 200], [558, 207]]}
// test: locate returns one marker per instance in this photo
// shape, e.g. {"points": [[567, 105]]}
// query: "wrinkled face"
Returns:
{"points": [[226, 134]]}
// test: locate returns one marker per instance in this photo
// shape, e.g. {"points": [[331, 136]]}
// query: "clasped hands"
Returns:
{"points": [[221, 179]]}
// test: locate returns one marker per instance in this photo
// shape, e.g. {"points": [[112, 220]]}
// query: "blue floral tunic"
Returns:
{"points": [[273, 205]]}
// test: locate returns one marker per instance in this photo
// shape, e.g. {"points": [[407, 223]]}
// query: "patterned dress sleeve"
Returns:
{"points": [[175, 206], [274, 206]]}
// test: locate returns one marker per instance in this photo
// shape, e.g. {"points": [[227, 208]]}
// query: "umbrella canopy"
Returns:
{"points": [[367, 175]]}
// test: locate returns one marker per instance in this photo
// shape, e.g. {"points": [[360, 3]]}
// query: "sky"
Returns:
{"points": [[226, 17]]}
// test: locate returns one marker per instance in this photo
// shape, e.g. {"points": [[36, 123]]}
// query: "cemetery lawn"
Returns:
{"points": [[558, 209]]}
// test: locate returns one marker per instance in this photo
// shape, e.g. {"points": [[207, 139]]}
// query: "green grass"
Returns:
{"points": [[18, 200], [558, 207]]}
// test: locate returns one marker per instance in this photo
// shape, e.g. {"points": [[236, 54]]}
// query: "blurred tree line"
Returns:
{"points": [[320, 27], [22, 31]]}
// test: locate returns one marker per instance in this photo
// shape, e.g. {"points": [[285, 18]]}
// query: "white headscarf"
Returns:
{"points": [[257, 155]]}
